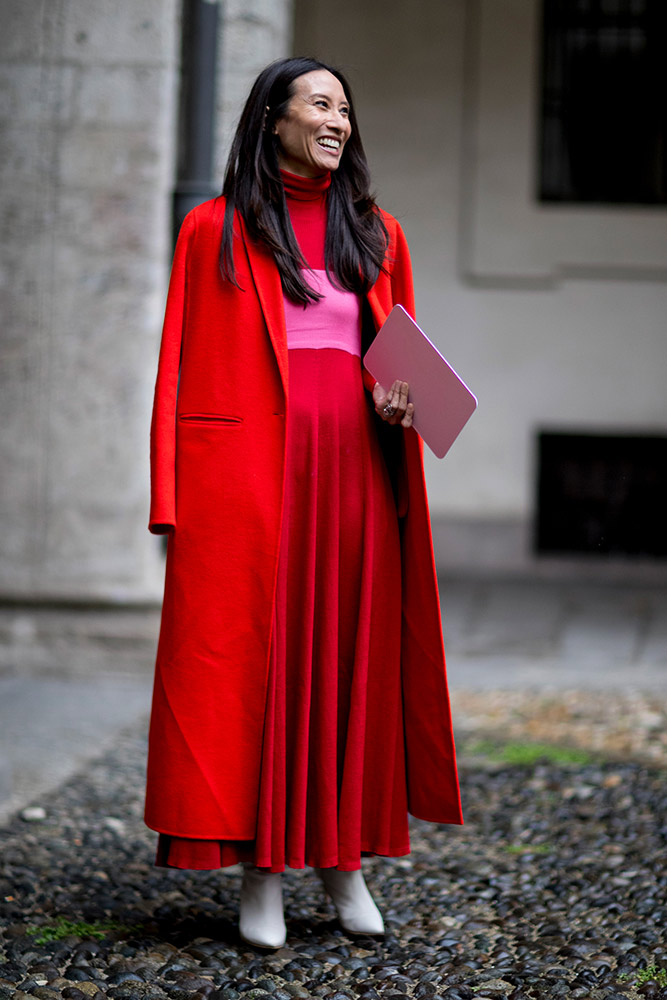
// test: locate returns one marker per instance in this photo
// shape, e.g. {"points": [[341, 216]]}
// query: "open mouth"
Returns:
{"points": [[328, 143]]}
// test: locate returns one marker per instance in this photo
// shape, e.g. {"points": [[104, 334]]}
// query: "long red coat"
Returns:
{"points": [[217, 464]]}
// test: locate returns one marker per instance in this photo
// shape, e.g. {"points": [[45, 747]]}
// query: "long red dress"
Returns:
{"points": [[333, 779]]}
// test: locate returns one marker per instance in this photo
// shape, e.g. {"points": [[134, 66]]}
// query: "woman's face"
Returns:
{"points": [[316, 126]]}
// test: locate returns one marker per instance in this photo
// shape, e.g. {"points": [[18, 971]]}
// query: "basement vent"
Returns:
{"points": [[602, 494]]}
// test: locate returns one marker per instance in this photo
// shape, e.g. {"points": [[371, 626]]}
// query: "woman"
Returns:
{"points": [[300, 706]]}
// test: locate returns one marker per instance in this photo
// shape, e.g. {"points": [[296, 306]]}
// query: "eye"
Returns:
{"points": [[345, 111], [322, 103]]}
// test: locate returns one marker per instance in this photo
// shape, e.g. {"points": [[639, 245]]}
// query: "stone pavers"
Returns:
{"points": [[555, 887]]}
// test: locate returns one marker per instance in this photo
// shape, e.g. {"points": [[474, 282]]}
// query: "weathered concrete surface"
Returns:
{"points": [[88, 121], [75, 642], [555, 634], [252, 34], [51, 727], [88, 97]]}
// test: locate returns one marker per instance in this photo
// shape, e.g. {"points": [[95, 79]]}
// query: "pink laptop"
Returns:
{"points": [[443, 402]]}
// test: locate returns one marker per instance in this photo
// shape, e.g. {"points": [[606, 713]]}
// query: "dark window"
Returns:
{"points": [[604, 102], [602, 494]]}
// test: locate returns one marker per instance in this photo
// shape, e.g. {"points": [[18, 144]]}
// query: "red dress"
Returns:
{"points": [[333, 780]]}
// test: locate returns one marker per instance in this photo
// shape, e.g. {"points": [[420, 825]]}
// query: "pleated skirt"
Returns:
{"points": [[333, 778]]}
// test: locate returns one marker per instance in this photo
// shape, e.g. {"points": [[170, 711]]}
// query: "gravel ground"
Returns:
{"points": [[556, 887], [621, 726]]}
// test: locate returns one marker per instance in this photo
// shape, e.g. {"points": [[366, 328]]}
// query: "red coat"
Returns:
{"points": [[217, 464]]}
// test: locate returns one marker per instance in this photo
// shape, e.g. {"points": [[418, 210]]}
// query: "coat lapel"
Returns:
{"points": [[266, 278], [380, 300], [377, 311]]}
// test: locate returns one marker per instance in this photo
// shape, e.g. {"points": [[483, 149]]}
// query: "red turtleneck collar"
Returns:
{"points": [[305, 188]]}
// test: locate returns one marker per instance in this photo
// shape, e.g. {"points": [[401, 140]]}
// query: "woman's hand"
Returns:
{"points": [[393, 406]]}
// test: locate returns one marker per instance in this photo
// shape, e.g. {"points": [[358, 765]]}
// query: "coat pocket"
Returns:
{"points": [[210, 419]]}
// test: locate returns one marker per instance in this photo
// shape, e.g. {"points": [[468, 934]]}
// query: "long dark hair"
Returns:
{"points": [[356, 241]]}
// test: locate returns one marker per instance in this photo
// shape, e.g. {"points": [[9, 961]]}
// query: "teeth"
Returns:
{"points": [[331, 143]]}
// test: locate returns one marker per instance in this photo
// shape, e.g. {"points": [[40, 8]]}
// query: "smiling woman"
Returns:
{"points": [[292, 122], [316, 127], [300, 706]]}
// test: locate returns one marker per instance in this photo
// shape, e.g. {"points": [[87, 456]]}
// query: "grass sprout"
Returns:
{"points": [[62, 928], [528, 848], [528, 753]]}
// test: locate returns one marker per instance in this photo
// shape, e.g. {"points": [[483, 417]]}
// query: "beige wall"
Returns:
{"points": [[556, 319]]}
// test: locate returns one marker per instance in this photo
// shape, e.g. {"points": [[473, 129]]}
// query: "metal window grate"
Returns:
{"points": [[602, 494], [603, 133]]}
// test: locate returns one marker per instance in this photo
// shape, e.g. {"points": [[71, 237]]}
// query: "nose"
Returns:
{"points": [[339, 121]]}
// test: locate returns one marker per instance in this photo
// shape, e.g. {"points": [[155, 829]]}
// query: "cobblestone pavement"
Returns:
{"points": [[555, 887]]}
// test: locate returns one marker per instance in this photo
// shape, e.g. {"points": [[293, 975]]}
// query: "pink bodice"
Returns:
{"points": [[334, 321]]}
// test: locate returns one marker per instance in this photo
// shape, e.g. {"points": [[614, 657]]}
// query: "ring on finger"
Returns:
{"points": [[389, 410]]}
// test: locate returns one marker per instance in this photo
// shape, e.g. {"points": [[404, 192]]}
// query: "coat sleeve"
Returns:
{"points": [[163, 424]]}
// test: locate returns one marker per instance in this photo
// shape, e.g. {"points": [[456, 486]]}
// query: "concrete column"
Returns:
{"points": [[86, 117], [253, 34]]}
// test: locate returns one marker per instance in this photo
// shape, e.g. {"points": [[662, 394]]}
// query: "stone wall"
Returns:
{"points": [[88, 96], [87, 113], [253, 34]]}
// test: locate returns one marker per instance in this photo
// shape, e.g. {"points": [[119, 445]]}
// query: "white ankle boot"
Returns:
{"points": [[261, 919], [356, 909]]}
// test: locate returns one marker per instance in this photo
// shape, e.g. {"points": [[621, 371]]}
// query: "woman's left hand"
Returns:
{"points": [[393, 406]]}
